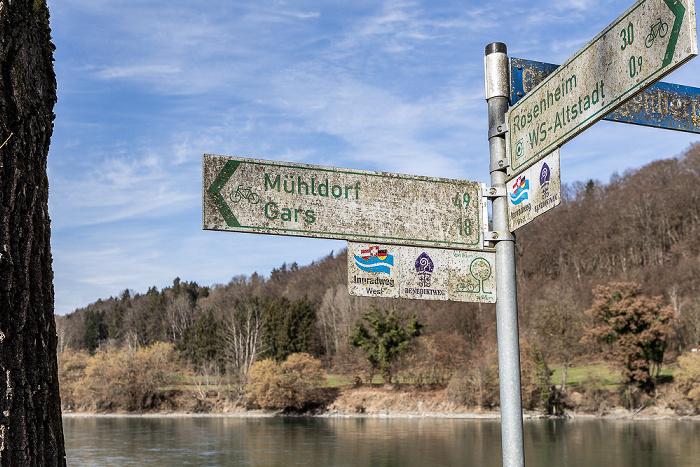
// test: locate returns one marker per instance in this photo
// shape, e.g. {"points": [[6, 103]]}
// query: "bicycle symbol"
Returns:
{"points": [[657, 29], [244, 193]]}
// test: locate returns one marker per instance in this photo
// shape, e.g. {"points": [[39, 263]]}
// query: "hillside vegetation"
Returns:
{"points": [[636, 237]]}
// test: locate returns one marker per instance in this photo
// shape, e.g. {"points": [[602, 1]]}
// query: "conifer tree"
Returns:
{"points": [[386, 338], [288, 326]]}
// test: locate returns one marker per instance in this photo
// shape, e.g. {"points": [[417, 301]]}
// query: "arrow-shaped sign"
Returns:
{"points": [[252, 195], [636, 50], [678, 11], [215, 191], [661, 105]]}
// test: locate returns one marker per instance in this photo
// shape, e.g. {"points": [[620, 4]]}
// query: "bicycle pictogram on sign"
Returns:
{"points": [[245, 193], [657, 29]]}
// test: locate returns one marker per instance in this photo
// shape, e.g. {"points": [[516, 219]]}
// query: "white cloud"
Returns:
{"points": [[145, 88], [569, 6], [152, 72], [303, 15], [123, 189]]}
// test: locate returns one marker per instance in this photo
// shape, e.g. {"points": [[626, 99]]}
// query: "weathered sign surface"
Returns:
{"points": [[535, 191], [252, 195], [661, 105], [647, 42], [393, 271]]}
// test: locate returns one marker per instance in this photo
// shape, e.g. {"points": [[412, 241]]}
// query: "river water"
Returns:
{"points": [[381, 442]]}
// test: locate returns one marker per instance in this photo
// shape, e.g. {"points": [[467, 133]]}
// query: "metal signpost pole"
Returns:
{"points": [[497, 96]]}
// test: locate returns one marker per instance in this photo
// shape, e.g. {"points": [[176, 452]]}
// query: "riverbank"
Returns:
{"points": [[253, 414], [380, 402]]}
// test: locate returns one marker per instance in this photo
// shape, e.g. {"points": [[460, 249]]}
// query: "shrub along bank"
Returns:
{"points": [[154, 379]]}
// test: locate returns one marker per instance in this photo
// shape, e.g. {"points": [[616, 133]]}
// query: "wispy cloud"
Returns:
{"points": [[138, 71], [122, 188], [145, 88]]}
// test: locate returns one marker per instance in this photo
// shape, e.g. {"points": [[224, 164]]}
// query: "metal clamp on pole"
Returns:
{"points": [[495, 236], [498, 129], [501, 164], [494, 192]]}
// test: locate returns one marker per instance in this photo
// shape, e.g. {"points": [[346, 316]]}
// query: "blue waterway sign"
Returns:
{"points": [[661, 105], [421, 273], [535, 191]]}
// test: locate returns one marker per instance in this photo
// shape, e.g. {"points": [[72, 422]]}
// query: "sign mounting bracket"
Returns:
{"points": [[501, 164], [498, 129], [494, 192], [496, 236]]}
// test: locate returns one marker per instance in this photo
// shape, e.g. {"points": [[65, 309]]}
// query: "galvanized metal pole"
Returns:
{"points": [[497, 96]]}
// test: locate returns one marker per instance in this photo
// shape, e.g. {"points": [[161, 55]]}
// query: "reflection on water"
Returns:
{"points": [[169, 441]]}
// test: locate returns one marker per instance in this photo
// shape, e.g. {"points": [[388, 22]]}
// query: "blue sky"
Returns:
{"points": [[146, 88]]}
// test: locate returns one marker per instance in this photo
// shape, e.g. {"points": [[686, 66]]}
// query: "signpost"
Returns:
{"points": [[419, 237], [534, 192], [661, 105], [647, 42], [392, 271], [251, 195]]}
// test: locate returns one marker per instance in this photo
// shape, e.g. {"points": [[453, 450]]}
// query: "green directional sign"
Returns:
{"points": [[258, 196], [661, 105], [647, 42]]}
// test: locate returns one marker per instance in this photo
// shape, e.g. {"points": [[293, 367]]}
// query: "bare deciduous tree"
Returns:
{"points": [[336, 318], [243, 328], [558, 323], [180, 314]]}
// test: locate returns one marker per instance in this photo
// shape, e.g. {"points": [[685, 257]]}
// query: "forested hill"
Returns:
{"points": [[643, 227]]}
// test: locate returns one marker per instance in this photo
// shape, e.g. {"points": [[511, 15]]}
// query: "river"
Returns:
{"points": [[279, 441]]}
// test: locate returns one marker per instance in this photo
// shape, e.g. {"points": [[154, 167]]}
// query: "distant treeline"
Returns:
{"points": [[642, 227]]}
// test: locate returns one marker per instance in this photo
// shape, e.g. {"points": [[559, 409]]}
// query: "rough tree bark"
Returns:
{"points": [[31, 431]]}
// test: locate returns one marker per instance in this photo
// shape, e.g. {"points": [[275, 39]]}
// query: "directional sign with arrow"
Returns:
{"points": [[252, 195], [661, 105], [644, 44]]}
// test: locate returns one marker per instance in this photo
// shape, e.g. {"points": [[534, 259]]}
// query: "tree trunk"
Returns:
{"points": [[563, 374], [31, 433]]}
